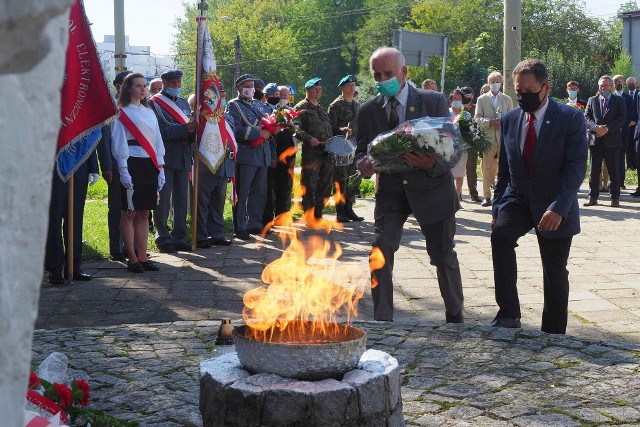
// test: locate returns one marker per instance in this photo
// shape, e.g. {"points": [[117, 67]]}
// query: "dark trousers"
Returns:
{"points": [[341, 177], [212, 190], [611, 156], [623, 155], [251, 184], [283, 185], [513, 222], [56, 252], [267, 216], [174, 195], [317, 179], [114, 204], [472, 173], [632, 152], [439, 239]]}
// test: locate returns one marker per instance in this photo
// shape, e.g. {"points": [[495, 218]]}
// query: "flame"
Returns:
{"points": [[376, 261], [338, 195]]}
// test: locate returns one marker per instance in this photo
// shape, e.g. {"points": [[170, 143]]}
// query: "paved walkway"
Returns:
{"points": [[139, 338]]}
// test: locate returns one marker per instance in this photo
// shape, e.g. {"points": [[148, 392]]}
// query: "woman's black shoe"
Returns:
{"points": [[136, 267]]}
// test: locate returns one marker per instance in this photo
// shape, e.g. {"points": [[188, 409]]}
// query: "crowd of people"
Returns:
{"points": [[538, 154]]}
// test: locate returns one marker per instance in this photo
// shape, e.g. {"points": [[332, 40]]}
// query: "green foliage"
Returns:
{"points": [[623, 66]]}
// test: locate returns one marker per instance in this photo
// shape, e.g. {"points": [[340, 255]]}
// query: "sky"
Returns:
{"points": [[151, 22]]}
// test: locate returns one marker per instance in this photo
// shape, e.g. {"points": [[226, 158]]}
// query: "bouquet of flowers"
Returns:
{"points": [[474, 135], [435, 136], [281, 118], [577, 105]]}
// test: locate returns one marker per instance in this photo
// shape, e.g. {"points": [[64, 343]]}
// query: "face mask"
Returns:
{"points": [[605, 93], [223, 103], [173, 91], [631, 87], [456, 104], [495, 86], [273, 101], [389, 87], [282, 102], [530, 101], [247, 92], [257, 96], [619, 87], [572, 93]]}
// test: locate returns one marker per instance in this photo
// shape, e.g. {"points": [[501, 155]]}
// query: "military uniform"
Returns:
{"points": [[342, 114], [317, 169]]}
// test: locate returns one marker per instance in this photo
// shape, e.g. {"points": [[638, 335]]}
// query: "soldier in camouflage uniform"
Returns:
{"points": [[315, 129], [342, 112]]}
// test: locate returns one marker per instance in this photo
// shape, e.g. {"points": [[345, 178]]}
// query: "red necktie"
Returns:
{"points": [[529, 142]]}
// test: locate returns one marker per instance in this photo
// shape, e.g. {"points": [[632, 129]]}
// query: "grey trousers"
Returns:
{"points": [[439, 239], [212, 190], [251, 184], [173, 195]]}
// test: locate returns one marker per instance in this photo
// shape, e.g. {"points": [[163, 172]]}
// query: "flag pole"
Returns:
{"points": [[201, 20], [69, 224]]}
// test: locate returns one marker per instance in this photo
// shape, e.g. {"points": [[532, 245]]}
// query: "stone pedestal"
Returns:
{"points": [[366, 396]]}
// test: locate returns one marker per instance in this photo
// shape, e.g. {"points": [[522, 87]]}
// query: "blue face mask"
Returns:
{"points": [[173, 91], [223, 103], [389, 87], [456, 104], [572, 93]]}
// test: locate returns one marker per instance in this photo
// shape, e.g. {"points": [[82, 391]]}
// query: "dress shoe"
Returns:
{"points": [[136, 267], [636, 193], [117, 257], [182, 247], [354, 216], [149, 266], [342, 219], [615, 203], [486, 202], [623, 187], [590, 202], [243, 235], [55, 277], [455, 318], [254, 231], [203, 244], [505, 322], [79, 275], [219, 242], [167, 248], [475, 199]]}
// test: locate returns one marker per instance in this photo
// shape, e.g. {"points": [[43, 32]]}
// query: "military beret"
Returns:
{"points": [[171, 75], [271, 89], [243, 78], [258, 82], [222, 89], [347, 79], [120, 77], [313, 82]]}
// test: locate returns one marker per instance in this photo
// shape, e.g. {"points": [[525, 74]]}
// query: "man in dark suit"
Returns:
{"points": [[543, 155], [606, 115], [426, 192], [618, 82]]}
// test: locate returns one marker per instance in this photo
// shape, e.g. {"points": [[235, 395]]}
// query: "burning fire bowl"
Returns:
{"points": [[301, 356]]}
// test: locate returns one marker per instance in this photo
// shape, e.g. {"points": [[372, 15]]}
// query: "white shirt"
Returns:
{"points": [[145, 119], [401, 109], [537, 124], [495, 100]]}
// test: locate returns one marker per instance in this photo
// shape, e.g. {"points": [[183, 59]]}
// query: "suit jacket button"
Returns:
{"points": [[404, 181]]}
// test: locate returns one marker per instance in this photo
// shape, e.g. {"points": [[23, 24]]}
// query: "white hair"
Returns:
{"points": [[382, 51], [494, 74]]}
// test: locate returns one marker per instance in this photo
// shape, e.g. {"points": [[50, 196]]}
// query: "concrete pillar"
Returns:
{"points": [[512, 53]]}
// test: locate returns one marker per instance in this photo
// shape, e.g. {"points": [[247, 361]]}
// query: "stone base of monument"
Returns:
{"points": [[366, 396]]}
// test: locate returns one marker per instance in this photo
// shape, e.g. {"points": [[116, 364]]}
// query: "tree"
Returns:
{"points": [[623, 66]]}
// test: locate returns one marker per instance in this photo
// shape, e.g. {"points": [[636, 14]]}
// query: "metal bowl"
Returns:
{"points": [[300, 356]]}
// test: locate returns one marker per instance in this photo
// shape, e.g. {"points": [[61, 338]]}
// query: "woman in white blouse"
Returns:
{"points": [[455, 106], [139, 151]]}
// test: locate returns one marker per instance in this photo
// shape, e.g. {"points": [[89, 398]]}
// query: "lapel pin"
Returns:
{"points": [[547, 122], [412, 109]]}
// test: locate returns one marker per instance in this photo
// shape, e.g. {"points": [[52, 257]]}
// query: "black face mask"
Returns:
{"points": [[631, 87], [619, 87], [529, 101], [257, 95], [273, 100]]}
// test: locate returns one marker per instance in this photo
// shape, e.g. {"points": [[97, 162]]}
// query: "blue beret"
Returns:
{"points": [[171, 74], [222, 87], [120, 77], [258, 82], [271, 89], [313, 82], [347, 79], [243, 78]]}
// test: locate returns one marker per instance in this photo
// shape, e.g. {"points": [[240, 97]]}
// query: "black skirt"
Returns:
{"points": [[144, 176]]}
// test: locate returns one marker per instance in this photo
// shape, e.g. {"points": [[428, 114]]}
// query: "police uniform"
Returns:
{"points": [[317, 169], [251, 163], [178, 160], [342, 114]]}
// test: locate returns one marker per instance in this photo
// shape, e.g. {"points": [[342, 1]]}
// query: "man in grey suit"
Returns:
{"points": [[426, 192]]}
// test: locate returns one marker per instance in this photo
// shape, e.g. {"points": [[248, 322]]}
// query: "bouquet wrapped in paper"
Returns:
{"points": [[436, 136], [281, 118]]}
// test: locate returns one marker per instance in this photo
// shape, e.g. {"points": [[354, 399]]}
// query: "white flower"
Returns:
{"points": [[445, 148]]}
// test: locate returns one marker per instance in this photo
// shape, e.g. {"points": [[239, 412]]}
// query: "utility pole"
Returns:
{"points": [[118, 24], [512, 52], [236, 70]]}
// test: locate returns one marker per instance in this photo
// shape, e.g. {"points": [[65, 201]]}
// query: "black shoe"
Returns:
{"points": [[342, 218], [354, 217], [55, 277], [590, 202], [475, 199], [505, 322], [79, 275], [118, 257], [149, 265], [254, 231], [182, 247], [136, 267], [219, 242], [623, 187], [615, 203], [243, 235], [487, 202], [167, 248], [456, 318], [203, 244], [636, 193]]}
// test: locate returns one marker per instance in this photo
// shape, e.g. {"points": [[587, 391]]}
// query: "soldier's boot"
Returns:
{"points": [[341, 213], [350, 214], [318, 211]]}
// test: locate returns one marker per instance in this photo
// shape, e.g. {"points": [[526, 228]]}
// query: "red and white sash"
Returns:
{"points": [[139, 136], [170, 107]]}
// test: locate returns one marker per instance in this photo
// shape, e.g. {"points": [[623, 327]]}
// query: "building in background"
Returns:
{"points": [[631, 36]]}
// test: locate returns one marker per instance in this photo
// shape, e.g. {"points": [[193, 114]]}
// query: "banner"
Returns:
{"points": [[86, 102], [215, 134]]}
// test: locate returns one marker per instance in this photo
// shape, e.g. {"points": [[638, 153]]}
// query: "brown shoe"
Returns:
{"points": [[487, 202], [615, 203], [591, 202]]}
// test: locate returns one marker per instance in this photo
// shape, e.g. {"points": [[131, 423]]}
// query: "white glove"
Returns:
{"points": [[130, 199], [161, 179], [93, 178], [125, 178]]}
